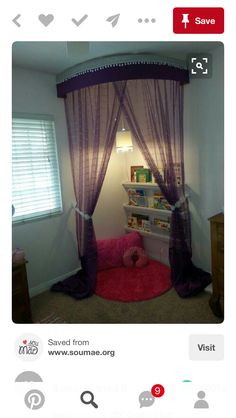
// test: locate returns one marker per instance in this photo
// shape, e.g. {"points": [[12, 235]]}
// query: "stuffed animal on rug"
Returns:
{"points": [[135, 257]]}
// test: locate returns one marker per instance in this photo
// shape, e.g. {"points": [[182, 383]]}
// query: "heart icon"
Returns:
{"points": [[46, 19], [24, 341]]}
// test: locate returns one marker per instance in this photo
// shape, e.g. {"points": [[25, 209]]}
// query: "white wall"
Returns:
{"points": [[109, 218], [204, 148], [50, 244]]}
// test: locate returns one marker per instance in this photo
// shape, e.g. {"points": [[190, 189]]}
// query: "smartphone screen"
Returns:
{"points": [[117, 160]]}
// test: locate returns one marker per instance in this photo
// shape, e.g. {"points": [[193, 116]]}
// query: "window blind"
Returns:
{"points": [[35, 174]]}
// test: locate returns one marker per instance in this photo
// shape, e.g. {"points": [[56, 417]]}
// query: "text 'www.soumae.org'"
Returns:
{"points": [[92, 353]]}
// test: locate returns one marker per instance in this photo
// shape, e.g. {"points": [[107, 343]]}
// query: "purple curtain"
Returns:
{"points": [[154, 112], [93, 115]]}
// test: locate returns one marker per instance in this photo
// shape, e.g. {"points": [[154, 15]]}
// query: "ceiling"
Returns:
{"points": [[55, 57]]}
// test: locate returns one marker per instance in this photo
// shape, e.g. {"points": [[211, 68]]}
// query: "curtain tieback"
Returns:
{"points": [[178, 203], [84, 215]]}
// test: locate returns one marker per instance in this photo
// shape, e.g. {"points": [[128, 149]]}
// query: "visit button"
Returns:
{"points": [[198, 20], [206, 347]]}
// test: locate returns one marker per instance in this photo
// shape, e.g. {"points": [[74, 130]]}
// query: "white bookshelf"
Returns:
{"points": [[148, 185], [135, 185], [160, 236], [156, 232], [144, 209]]}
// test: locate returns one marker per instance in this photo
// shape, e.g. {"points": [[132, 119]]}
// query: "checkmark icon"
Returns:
{"points": [[78, 22]]}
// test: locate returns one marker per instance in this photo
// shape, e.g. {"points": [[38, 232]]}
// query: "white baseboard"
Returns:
{"points": [[36, 290], [158, 257]]}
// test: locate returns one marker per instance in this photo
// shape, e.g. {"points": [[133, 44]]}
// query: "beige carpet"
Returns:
{"points": [[168, 309]]}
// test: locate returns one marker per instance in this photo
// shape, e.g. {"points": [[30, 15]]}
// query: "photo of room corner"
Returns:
{"points": [[118, 183]]}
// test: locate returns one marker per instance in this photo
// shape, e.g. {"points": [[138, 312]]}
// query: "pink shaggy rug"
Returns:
{"points": [[130, 284]]}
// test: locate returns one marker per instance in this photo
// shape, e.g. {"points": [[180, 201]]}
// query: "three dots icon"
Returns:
{"points": [[146, 20]]}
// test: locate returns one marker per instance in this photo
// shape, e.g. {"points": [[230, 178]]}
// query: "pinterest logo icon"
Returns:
{"points": [[158, 391], [34, 399]]}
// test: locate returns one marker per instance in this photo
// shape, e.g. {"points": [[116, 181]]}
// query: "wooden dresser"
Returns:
{"points": [[21, 311], [217, 264]]}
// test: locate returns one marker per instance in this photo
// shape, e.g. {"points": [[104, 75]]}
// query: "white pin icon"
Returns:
{"points": [[185, 19]]}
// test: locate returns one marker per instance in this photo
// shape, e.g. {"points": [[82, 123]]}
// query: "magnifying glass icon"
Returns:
{"points": [[199, 65], [87, 398]]}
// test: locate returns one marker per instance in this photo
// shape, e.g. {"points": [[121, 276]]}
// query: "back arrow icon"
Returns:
{"points": [[15, 20]]}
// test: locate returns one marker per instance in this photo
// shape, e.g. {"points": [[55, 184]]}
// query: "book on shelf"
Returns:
{"points": [[160, 202], [133, 171], [143, 175], [160, 223], [146, 225], [132, 222], [137, 197], [141, 220]]}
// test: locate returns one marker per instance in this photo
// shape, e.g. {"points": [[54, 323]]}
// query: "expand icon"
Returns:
{"points": [[200, 65]]}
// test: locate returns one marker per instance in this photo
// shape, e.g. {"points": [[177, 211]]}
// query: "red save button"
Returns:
{"points": [[198, 20]]}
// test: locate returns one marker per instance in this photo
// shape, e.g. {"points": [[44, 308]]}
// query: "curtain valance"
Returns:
{"points": [[118, 68]]}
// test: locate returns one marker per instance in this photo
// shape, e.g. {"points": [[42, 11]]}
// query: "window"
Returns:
{"points": [[35, 175]]}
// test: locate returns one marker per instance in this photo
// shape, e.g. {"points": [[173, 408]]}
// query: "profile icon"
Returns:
{"points": [[201, 403]]}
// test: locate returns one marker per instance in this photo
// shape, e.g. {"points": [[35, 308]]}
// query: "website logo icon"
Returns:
{"points": [[28, 347]]}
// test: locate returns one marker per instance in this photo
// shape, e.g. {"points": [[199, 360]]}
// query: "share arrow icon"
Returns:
{"points": [[15, 20], [113, 19]]}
